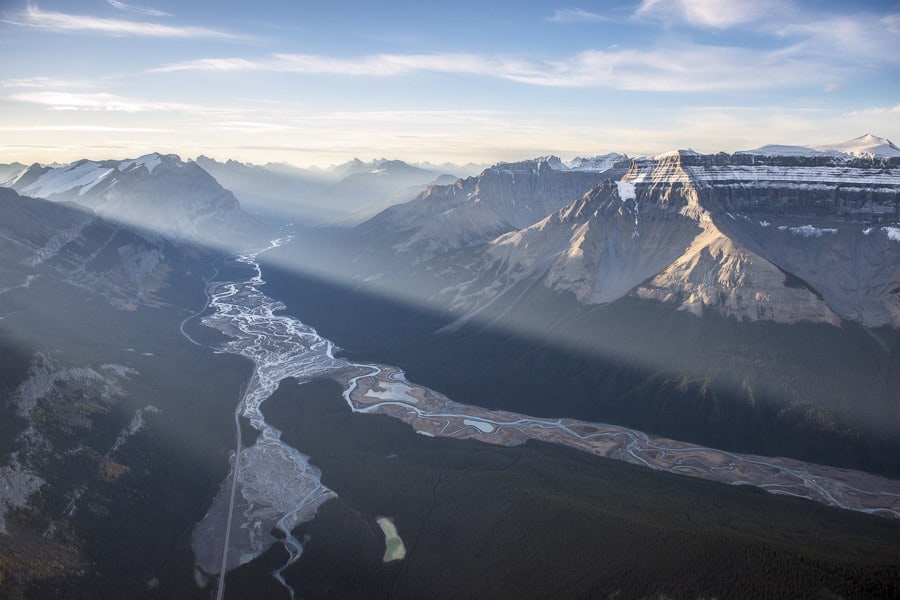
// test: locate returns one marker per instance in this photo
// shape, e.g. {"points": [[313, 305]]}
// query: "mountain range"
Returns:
{"points": [[680, 279], [160, 194], [754, 235], [343, 194], [748, 302], [718, 233]]}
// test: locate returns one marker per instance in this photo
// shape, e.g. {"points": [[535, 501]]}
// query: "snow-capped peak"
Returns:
{"points": [[867, 145], [786, 150], [674, 153], [59, 180], [84, 175], [534, 164], [595, 163], [551, 161], [150, 161]]}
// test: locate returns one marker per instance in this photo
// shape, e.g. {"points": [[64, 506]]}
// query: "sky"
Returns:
{"points": [[320, 82]]}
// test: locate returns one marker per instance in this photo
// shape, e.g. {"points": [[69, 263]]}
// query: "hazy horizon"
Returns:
{"points": [[455, 83]]}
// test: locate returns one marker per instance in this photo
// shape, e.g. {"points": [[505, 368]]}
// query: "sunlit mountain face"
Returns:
{"points": [[698, 349], [449, 300]]}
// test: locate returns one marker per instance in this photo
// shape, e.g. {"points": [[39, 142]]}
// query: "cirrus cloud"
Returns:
{"points": [[34, 17], [101, 101], [717, 14], [690, 67], [577, 15], [143, 10]]}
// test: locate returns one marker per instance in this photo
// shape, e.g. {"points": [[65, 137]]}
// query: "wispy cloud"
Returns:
{"points": [[377, 65], [143, 10], [253, 126], [852, 35], [34, 17], [718, 14], [867, 38], [892, 22], [87, 129], [218, 64], [43, 83], [57, 100], [577, 15], [891, 111], [687, 68]]}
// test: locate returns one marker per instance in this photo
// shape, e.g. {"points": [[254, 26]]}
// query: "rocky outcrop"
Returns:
{"points": [[778, 239], [503, 198]]}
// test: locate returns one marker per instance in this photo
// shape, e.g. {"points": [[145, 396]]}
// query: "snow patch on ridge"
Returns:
{"points": [[785, 150], [597, 164], [893, 233], [865, 145], [809, 230], [19, 483], [676, 153], [627, 190], [151, 161], [88, 187], [61, 180]]}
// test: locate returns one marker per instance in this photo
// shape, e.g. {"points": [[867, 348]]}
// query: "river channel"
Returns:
{"points": [[272, 486]]}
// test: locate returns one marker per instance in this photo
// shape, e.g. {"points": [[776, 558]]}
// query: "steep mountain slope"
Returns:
{"points": [[112, 425], [829, 227], [748, 301], [155, 192], [67, 243], [10, 170], [99, 395], [752, 236], [505, 197]]}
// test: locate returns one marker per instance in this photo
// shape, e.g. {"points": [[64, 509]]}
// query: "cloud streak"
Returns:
{"points": [[860, 35], [143, 10], [865, 38], [34, 17], [687, 68], [43, 83], [101, 101], [716, 14], [87, 129], [577, 15]]}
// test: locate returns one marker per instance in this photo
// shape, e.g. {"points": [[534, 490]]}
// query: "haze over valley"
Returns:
{"points": [[299, 304]]}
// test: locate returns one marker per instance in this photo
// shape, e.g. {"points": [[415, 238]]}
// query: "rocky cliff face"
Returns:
{"points": [[505, 197], [750, 236]]}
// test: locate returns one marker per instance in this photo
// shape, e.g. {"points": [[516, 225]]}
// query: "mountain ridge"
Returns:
{"points": [[705, 232], [340, 195], [155, 192]]}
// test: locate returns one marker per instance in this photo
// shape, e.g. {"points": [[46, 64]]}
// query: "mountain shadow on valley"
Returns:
{"points": [[537, 520], [809, 391]]}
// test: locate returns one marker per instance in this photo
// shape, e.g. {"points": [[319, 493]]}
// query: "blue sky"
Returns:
{"points": [[322, 82]]}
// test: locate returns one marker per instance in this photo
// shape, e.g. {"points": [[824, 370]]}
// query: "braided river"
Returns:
{"points": [[273, 487]]}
